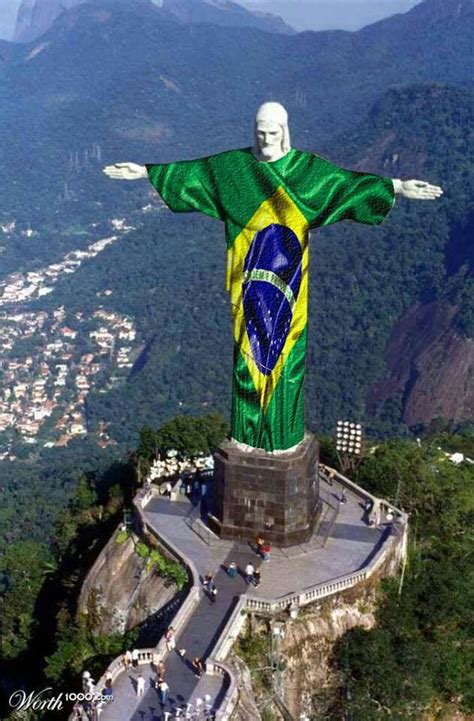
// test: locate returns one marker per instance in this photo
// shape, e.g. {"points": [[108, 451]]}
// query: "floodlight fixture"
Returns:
{"points": [[349, 437]]}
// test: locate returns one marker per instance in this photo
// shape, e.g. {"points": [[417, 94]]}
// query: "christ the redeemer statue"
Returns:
{"points": [[269, 197]]}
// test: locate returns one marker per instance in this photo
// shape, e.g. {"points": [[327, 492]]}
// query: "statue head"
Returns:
{"points": [[272, 135]]}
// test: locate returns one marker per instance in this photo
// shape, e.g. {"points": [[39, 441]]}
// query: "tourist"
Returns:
{"points": [[212, 591], [259, 541], [182, 653], [198, 666], [127, 660], [266, 548], [343, 497], [135, 658], [170, 639], [257, 578], [163, 689], [207, 579], [87, 682], [232, 570], [108, 692], [158, 679], [140, 688], [249, 571]]}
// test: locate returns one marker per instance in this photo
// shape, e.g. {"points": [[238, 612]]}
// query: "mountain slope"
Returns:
{"points": [[112, 81], [431, 365], [224, 13], [125, 76], [425, 132]]}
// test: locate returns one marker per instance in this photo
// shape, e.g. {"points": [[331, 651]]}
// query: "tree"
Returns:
{"points": [[421, 650], [25, 564], [85, 496], [192, 436]]}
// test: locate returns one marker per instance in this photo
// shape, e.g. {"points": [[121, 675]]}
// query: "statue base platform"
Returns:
{"points": [[275, 495]]}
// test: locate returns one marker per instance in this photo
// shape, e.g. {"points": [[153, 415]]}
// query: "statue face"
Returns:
{"points": [[269, 139]]}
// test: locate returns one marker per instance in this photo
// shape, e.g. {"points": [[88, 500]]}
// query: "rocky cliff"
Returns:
{"points": [[36, 16], [308, 681], [431, 366], [120, 591]]}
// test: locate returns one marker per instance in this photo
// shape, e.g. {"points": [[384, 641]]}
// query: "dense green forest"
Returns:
{"points": [[168, 274], [102, 91], [43, 639], [418, 661], [424, 623], [420, 656]]}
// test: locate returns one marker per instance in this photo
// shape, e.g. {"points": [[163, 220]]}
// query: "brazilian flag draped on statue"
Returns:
{"points": [[268, 209]]}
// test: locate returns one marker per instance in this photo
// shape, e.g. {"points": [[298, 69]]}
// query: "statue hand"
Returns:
{"points": [[126, 171], [419, 190]]}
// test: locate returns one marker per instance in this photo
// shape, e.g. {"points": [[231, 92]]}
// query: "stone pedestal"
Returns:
{"points": [[276, 495]]}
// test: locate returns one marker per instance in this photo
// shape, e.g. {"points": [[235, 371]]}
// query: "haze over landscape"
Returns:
{"points": [[331, 15], [300, 14]]}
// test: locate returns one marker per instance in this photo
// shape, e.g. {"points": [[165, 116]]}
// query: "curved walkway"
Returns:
{"points": [[350, 545]]}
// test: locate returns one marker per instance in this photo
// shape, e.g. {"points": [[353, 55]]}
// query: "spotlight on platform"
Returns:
{"points": [[349, 444]]}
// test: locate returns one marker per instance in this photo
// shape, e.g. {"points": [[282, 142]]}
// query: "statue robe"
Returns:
{"points": [[268, 209]]}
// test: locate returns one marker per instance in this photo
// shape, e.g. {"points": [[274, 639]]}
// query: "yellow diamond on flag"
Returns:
{"points": [[279, 210]]}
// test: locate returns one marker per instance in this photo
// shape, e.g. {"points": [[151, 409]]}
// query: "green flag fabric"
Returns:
{"points": [[268, 209]]}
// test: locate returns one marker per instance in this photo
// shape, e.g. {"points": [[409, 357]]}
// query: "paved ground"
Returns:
{"points": [[350, 544]]}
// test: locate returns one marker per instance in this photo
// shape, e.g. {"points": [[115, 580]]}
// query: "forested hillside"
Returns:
{"points": [[118, 82], [170, 273], [417, 661]]}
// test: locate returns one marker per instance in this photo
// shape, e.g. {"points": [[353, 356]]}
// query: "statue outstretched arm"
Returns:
{"points": [[126, 171], [416, 189]]}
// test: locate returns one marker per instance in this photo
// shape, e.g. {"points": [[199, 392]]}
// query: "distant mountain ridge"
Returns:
{"points": [[225, 13], [35, 17]]}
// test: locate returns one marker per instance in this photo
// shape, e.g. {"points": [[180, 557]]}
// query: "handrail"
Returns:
{"points": [[247, 602], [359, 491]]}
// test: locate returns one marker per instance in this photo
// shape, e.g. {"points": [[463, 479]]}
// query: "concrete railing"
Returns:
{"points": [[147, 655], [168, 545], [322, 590], [194, 595], [250, 603], [231, 630], [395, 541], [231, 696], [114, 669], [365, 495]]}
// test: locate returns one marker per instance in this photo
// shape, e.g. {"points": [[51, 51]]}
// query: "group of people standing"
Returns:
{"points": [[131, 661], [263, 549]]}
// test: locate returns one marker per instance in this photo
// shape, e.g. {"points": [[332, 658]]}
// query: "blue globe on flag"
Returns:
{"points": [[271, 284]]}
